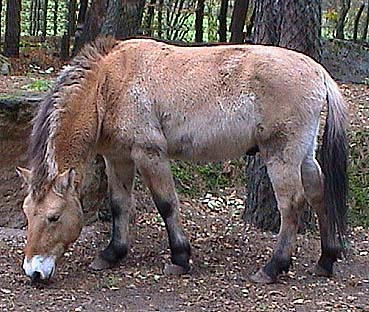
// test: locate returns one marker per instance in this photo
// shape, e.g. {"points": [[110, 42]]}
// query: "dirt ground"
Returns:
{"points": [[225, 253]]}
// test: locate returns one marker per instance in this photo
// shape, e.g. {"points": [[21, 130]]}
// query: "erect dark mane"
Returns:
{"points": [[41, 149]]}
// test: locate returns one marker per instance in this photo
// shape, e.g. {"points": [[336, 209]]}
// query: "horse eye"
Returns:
{"points": [[53, 218]]}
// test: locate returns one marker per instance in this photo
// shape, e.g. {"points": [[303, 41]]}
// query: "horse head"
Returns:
{"points": [[55, 220]]}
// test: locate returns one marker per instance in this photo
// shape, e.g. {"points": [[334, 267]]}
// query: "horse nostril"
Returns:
{"points": [[36, 277]]}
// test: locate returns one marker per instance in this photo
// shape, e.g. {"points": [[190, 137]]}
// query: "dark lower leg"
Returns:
{"points": [[178, 242], [118, 246]]}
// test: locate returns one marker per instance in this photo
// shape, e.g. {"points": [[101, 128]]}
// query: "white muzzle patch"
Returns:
{"points": [[44, 265]]}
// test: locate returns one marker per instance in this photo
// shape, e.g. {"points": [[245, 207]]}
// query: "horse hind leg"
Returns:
{"points": [[288, 189], [120, 183], [156, 173], [312, 178]]}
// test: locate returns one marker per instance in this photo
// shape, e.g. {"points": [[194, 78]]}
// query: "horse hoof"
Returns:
{"points": [[173, 269], [319, 271], [261, 277], [100, 264]]}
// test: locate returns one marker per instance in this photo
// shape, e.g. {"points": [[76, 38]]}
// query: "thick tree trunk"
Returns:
{"points": [[123, 19], [238, 20], [293, 24], [94, 19], [357, 20], [223, 21], [345, 7], [199, 21], [12, 30], [71, 28]]}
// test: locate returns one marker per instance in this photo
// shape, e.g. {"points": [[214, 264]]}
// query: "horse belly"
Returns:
{"points": [[211, 141]]}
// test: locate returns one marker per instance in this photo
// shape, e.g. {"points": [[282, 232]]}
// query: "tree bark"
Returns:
{"points": [[123, 18], [366, 23], [293, 24], [1, 10], [82, 11], [345, 7], [357, 20], [56, 7], [150, 17], [44, 18], [12, 30], [223, 21], [160, 18], [199, 21], [238, 20]]}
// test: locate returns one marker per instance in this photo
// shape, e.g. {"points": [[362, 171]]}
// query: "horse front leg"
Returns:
{"points": [[121, 173], [156, 173], [288, 189]]}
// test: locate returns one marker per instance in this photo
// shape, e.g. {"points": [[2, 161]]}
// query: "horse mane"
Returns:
{"points": [[41, 149]]}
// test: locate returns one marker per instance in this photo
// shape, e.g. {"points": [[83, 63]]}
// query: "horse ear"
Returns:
{"points": [[65, 181], [25, 174]]}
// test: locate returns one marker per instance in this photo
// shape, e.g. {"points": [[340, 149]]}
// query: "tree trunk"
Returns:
{"points": [[199, 21], [56, 7], [82, 11], [357, 20], [296, 25], [12, 30], [223, 21], [44, 18], [150, 17], [250, 24], [238, 20], [123, 19], [160, 18], [91, 28], [71, 27], [1, 11], [345, 7], [366, 23]]}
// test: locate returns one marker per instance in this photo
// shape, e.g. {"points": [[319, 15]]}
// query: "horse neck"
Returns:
{"points": [[78, 131]]}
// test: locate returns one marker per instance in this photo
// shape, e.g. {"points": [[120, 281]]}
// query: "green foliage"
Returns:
{"points": [[39, 85], [359, 178], [195, 180]]}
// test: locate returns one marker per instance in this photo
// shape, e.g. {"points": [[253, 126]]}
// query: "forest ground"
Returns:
{"points": [[225, 253]]}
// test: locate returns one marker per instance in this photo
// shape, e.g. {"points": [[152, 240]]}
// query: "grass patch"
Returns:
{"points": [[39, 85]]}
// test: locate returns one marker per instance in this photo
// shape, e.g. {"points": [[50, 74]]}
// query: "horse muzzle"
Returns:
{"points": [[39, 268]]}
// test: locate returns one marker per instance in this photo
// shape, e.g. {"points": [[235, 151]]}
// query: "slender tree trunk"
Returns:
{"points": [[1, 10], [150, 17], [56, 7], [223, 21], [366, 23], [71, 27], [238, 20], [345, 7], [199, 21], [31, 18], [294, 24], [44, 16], [12, 29], [357, 20], [82, 11], [251, 23], [38, 17], [160, 18]]}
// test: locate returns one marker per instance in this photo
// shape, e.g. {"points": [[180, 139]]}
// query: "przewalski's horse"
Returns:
{"points": [[141, 102]]}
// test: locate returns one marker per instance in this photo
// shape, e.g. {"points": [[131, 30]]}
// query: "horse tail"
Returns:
{"points": [[334, 160]]}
